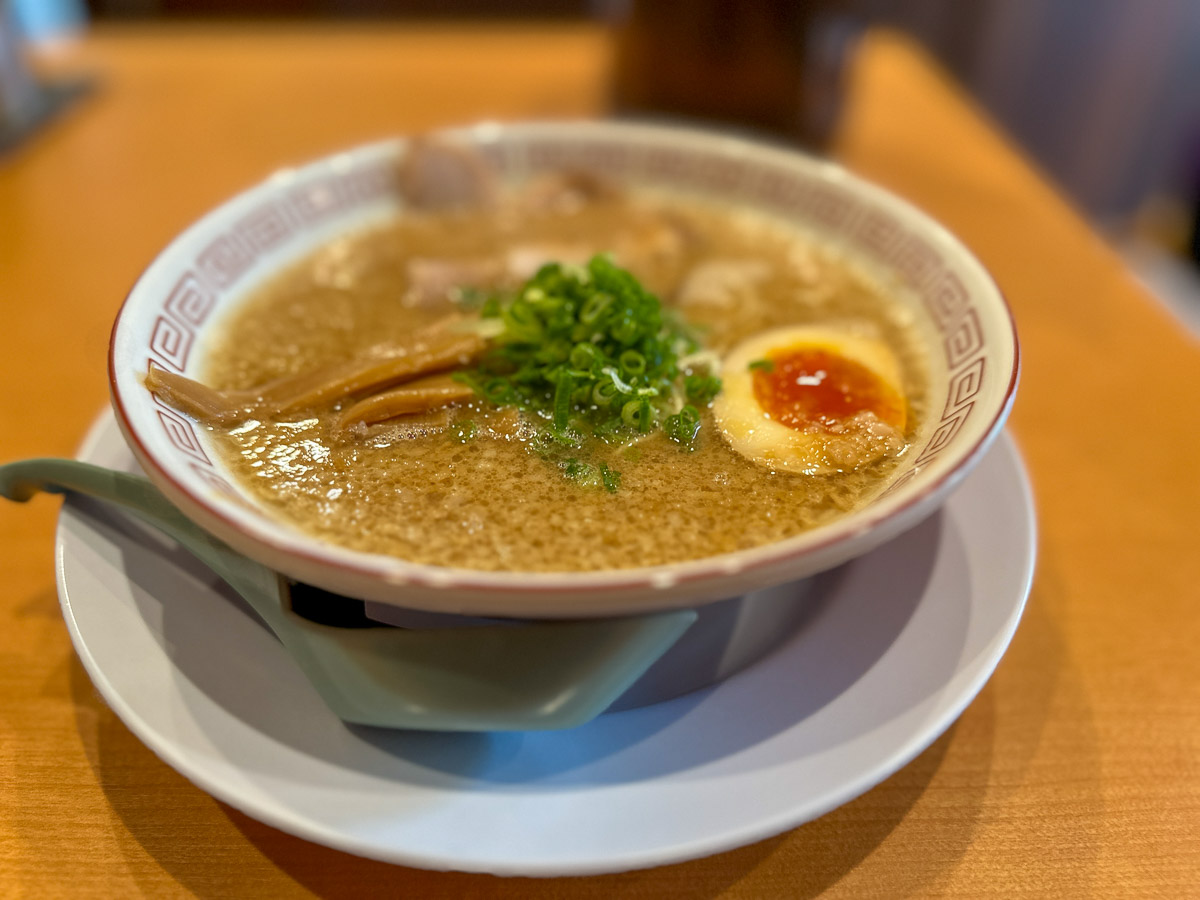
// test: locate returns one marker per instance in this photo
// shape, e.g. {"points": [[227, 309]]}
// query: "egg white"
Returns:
{"points": [[751, 432]]}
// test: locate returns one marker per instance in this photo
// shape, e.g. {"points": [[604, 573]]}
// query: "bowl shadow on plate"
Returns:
{"points": [[852, 617], [844, 630]]}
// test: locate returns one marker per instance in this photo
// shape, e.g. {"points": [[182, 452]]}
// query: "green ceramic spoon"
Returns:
{"points": [[505, 677]]}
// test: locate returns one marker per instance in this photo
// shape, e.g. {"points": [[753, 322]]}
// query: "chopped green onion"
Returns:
{"points": [[594, 308], [553, 352], [626, 330], [683, 427], [584, 356], [632, 363], [590, 476], [586, 350], [638, 414], [499, 391], [604, 392], [580, 472], [611, 478], [616, 379], [463, 431], [700, 389], [562, 399], [762, 365], [523, 323], [631, 412]]}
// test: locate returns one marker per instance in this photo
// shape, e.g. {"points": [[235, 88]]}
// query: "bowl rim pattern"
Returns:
{"points": [[859, 213]]}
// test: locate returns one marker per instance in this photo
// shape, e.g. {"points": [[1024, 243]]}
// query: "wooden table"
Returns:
{"points": [[1076, 772]]}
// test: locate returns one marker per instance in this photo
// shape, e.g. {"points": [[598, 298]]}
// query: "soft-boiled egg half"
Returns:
{"points": [[811, 399]]}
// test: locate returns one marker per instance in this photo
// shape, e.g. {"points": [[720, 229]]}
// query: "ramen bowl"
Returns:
{"points": [[176, 308]]}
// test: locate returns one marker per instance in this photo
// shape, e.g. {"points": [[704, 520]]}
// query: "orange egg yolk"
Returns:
{"points": [[804, 386]]}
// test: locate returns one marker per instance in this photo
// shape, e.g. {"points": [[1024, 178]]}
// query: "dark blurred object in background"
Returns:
{"points": [[1194, 249], [265, 9], [1101, 93], [774, 66]]}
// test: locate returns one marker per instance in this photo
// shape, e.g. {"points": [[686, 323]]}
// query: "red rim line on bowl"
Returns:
{"points": [[399, 572]]}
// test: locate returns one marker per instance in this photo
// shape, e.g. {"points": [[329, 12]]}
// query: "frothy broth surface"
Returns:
{"points": [[414, 489]]}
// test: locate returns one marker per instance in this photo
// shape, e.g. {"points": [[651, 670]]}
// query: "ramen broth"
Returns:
{"points": [[460, 487]]}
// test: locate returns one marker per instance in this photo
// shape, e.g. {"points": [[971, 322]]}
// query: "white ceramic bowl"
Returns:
{"points": [[172, 309]]}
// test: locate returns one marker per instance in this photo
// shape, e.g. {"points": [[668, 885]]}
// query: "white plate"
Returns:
{"points": [[897, 644]]}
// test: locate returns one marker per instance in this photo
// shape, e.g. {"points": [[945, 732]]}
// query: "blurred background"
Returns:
{"points": [[1099, 93]]}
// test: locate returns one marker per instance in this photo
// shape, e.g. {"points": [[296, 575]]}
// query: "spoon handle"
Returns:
{"points": [[22, 479]]}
